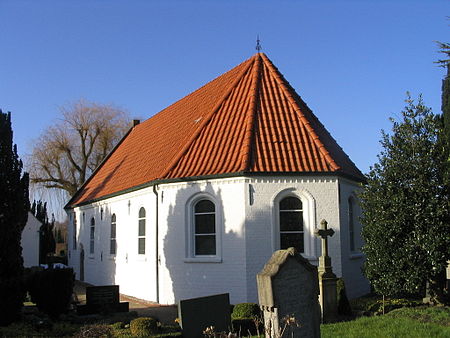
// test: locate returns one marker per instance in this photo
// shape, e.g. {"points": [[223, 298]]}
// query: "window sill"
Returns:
{"points": [[203, 260], [91, 257], [112, 257], [356, 255]]}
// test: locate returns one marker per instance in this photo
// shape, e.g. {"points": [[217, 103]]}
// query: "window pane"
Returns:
{"points": [[113, 218], [112, 248], [141, 244], [92, 221], [141, 213], [92, 232], [295, 240], [291, 221], [290, 203], [91, 246], [141, 227], [204, 206], [205, 245], [205, 224]]}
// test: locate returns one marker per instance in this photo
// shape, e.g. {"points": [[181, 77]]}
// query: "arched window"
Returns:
{"points": [[141, 232], [351, 224], [291, 224], [92, 236], [204, 228], [112, 243]]}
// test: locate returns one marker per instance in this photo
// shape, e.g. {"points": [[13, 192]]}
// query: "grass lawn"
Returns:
{"points": [[405, 322], [413, 322]]}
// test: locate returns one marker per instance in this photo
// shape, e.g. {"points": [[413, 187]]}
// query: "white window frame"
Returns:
{"points": [[309, 220], [190, 230]]}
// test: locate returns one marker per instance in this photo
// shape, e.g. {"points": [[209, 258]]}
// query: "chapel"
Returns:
{"points": [[193, 201]]}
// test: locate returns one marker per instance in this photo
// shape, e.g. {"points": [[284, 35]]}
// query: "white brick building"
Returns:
{"points": [[194, 201]]}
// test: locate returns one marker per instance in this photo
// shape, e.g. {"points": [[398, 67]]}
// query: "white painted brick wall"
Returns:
{"points": [[247, 242]]}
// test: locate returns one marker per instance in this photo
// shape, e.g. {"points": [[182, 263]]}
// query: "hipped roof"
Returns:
{"points": [[248, 120]]}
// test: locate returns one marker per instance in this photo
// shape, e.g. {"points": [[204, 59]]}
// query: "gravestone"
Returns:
{"points": [[102, 299], [288, 288], [196, 314]]}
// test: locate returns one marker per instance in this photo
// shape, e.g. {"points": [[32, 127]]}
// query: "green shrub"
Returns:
{"points": [[245, 310], [244, 326], [343, 303], [94, 331], [51, 290], [143, 326], [118, 325]]}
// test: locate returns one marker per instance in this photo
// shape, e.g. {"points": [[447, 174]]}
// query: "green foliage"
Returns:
{"points": [[425, 314], [385, 326], [51, 290], [94, 331], [342, 300], [47, 242], [245, 326], [245, 310], [405, 207], [14, 206], [143, 326]]}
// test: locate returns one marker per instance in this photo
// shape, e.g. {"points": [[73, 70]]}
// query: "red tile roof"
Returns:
{"points": [[248, 120]]}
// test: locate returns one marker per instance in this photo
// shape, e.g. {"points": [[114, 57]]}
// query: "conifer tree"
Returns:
{"points": [[406, 208], [47, 243], [14, 206]]}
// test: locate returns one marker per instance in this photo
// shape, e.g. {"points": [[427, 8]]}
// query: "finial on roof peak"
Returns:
{"points": [[258, 45]]}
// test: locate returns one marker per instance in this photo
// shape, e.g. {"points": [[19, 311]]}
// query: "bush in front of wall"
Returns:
{"points": [[51, 290], [344, 307], [245, 318], [143, 326], [245, 310]]}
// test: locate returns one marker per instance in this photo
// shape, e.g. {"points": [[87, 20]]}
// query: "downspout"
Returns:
{"points": [[155, 191]]}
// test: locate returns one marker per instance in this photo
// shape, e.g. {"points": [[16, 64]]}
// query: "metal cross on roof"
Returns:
{"points": [[258, 45]]}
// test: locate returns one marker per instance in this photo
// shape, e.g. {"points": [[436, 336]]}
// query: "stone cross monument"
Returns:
{"points": [[327, 279]]}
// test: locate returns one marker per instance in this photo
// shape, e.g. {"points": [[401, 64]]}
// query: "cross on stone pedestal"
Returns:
{"points": [[327, 279], [324, 259]]}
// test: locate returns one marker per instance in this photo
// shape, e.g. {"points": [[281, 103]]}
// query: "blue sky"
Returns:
{"points": [[351, 61]]}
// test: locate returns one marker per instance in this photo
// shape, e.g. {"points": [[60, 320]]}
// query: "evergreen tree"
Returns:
{"points": [[14, 206], [47, 243], [406, 207], [446, 116]]}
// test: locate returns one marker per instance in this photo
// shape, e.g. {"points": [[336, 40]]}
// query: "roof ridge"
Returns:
{"points": [[250, 125], [197, 132], [306, 123]]}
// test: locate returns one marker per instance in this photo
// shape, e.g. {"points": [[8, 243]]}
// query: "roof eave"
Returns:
{"points": [[354, 178]]}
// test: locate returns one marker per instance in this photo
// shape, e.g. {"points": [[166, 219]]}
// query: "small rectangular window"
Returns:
{"points": [[74, 237], [112, 245], [92, 237]]}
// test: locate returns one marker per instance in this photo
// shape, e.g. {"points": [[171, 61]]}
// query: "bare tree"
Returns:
{"points": [[68, 152]]}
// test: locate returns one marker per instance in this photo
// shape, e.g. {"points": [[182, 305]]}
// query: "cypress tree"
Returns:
{"points": [[14, 206]]}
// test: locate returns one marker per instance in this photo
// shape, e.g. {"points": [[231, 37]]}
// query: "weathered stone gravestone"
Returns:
{"points": [[197, 314], [288, 288], [102, 299]]}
